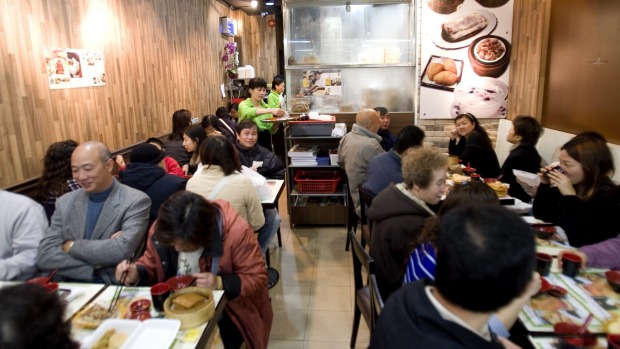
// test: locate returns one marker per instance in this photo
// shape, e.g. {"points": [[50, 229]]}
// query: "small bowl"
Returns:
{"points": [[544, 285], [481, 97], [140, 305], [179, 282], [544, 231], [613, 278], [580, 340], [557, 291], [469, 169], [140, 315], [51, 287], [613, 341], [43, 280]]}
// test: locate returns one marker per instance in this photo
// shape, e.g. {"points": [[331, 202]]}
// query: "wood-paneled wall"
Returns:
{"points": [[159, 56], [527, 57]]}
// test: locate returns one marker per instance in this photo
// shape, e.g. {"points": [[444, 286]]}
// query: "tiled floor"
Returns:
{"points": [[313, 302]]}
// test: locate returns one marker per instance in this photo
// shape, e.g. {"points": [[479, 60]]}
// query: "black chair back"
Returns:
{"points": [[376, 300]]}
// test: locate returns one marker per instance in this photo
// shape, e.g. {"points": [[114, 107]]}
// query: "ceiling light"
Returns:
{"points": [[270, 3], [254, 3]]}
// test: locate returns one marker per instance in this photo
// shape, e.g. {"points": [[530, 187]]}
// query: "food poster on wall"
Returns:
{"points": [[465, 54], [322, 83], [71, 68]]}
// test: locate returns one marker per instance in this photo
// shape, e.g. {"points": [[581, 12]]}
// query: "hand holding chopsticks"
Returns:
{"points": [[126, 268]]}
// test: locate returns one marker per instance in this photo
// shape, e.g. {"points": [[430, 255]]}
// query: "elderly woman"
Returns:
{"points": [[474, 146], [579, 195], [209, 240], [399, 213]]}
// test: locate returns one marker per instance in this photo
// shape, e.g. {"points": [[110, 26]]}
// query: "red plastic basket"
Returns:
{"points": [[317, 181]]}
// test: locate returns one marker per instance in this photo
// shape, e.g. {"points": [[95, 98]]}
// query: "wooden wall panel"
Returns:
{"points": [[259, 45], [159, 55], [526, 61]]}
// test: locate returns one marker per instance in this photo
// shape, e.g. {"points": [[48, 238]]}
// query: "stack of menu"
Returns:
{"points": [[303, 155]]}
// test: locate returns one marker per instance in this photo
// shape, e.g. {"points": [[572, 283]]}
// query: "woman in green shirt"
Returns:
{"points": [[274, 100], [255, 109]]}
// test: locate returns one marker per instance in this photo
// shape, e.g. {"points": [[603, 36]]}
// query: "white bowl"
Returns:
{"points": [[481, 97]]}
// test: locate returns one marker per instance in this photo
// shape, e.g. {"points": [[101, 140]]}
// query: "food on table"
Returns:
{"points": [[446, 78], [613, 325], [463, 27], [433, 69], [458, 178], [187, 301], [110, 340], [450, 65], [550, 309], [92, 317], [501, 189], [490, 49]]}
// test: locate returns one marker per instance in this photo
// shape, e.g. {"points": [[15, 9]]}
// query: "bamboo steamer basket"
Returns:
{"points": [[444, 7], [195, 316]]}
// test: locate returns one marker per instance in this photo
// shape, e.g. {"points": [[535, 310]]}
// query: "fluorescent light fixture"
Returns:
{"points": [[270, 3], [254, 3]]}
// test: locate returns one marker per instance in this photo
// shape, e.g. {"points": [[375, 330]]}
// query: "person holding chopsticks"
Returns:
{"points": [[222, 253]]}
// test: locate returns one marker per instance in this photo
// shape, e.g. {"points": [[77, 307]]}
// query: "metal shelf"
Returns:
{"points": [[340, 191], [317, 166]]}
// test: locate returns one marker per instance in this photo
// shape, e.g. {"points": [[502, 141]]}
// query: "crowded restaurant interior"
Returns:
{"points": [[309, 174]]}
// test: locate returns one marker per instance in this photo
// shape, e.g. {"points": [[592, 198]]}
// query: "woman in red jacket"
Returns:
{"points": [[212, 243]]}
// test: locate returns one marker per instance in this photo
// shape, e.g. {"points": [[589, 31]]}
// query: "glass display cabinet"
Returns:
{"points": [[343, 57]]}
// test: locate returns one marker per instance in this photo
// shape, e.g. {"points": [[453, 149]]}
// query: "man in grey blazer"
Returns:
{"points": [[96, 227]]}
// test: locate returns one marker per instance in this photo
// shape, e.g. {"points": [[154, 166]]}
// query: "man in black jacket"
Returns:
{"points": [[146, 173], [485, 259]]}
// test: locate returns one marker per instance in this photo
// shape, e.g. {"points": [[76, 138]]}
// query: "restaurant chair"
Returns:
{"points": [[363, 294], [352, 218], [366, 227], [375, 297]]}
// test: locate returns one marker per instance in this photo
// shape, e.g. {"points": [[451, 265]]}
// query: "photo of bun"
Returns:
{"points": [[434, 69], [442, 73], [446, 78]]}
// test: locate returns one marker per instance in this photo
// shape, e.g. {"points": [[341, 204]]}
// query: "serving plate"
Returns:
{"points": [[123, 326], [153, 334], [441, 43], [438, 59]]}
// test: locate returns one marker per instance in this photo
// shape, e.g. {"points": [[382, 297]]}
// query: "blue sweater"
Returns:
{"points": [[383, 170]]}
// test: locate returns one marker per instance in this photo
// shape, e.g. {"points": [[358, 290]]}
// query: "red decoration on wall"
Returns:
{"points": [[271, 23]]}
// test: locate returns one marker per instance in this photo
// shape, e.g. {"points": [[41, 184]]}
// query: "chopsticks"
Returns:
{"points": [[117, 293]]}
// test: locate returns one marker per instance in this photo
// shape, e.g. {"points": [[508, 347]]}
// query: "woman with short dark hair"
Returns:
{"points": [[474, 146], [208, 240], [524, 134], [274, 100], [579, 194]]}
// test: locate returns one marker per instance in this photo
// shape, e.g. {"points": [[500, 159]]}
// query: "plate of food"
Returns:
{"points": [[442, 73], [462, 27], [94, 315], [112, 333]]}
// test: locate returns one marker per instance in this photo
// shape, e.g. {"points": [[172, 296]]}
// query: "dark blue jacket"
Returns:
{"points": [[387, 139], [154, 182], [383, 169], [272, 167]]}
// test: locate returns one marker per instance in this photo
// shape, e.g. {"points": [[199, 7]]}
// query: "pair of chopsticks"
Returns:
{"points": [[117, 293]]}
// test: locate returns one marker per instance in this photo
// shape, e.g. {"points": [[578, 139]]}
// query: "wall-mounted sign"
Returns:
{"points": [[322, 83], [72, 68], [465, 53], [228, 26]]}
